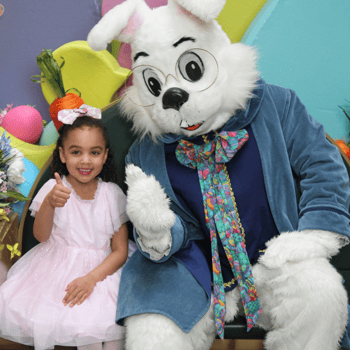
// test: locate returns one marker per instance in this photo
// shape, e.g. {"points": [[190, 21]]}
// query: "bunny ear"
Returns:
{"points": [[205, 10], [120, 23]]}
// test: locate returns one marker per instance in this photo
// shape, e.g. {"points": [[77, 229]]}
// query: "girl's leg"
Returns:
{"points": [[96, 346], [114, 345]]}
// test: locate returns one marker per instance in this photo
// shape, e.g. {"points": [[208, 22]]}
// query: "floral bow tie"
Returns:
{"points": [[68, 116], [224, 147], [222, 218]]}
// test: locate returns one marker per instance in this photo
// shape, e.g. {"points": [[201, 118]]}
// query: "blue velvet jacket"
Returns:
{"points": [[306, 184]]}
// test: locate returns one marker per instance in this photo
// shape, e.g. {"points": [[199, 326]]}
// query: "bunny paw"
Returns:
{"points": [[147, 204]]}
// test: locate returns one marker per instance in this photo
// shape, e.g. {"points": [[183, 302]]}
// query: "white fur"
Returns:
{"points": [[113, 23], [304, 305], [148, 208], [298, 246], [303, 300], [233, 88], [236, 78], [157, 332], [206, 10]]}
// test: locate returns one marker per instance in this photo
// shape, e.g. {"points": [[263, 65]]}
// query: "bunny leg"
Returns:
{"points": [[157, 332], [304, 305]]}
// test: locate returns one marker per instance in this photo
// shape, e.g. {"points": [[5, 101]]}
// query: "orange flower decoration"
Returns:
{"points": [[343, 146]]}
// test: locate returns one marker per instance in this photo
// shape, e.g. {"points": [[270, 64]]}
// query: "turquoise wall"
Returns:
{"points": [[305, 45]]}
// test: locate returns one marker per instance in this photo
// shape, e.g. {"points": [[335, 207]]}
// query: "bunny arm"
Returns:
{"points": [[162, 248], [158, 231], [301, 245]]}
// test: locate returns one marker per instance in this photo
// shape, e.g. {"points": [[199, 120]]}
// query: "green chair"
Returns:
{"points": [[121, 138]]}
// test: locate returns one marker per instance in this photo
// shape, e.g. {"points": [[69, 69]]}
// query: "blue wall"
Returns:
{"points": [[305, 45]]}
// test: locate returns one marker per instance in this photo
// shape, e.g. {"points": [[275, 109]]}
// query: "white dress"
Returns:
{"points": [[31, 308]]}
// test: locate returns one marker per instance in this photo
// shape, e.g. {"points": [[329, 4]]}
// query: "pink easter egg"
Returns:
{"points": [[24, 122]]}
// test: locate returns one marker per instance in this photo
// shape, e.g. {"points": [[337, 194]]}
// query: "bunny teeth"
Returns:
{"points": [[185, 125]]}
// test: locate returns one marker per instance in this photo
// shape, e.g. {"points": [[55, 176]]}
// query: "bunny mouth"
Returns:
{"points": [[186, 126]]}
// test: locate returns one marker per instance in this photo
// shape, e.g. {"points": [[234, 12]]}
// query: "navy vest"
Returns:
{"points": [[247, 182]]}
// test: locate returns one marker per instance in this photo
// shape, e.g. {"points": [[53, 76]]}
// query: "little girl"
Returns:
{"points": [[64, 291]]}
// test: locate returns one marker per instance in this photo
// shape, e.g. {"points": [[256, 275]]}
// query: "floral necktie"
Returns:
{"points": [[222, 218]]}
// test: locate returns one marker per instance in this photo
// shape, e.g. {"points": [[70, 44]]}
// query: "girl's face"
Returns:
{"points": [[84, 153]]}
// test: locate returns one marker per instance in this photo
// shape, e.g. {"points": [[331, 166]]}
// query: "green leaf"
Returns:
{"points": [[344, 111], [51, 72], [16, 195], [3, 205], [36, 78], [63, 62]]}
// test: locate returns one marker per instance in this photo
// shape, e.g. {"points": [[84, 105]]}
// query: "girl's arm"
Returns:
{"points": [[57, 197], [43, 220], [81, 288]]}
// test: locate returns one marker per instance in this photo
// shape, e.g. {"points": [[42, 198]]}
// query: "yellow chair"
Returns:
{"points": [[35, 153], [95, 74]]}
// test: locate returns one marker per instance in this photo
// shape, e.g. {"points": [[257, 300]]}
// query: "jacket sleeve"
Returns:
{"points": [[177, 239], [323, 178]]}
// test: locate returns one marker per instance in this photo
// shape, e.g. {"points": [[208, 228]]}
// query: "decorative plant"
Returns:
{"points": [[345, 147], [11, 169], [5, 111], [52, 75]]}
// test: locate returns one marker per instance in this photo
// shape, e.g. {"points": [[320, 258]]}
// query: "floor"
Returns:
{"points": [[8, 345], [237, 344], [218, 345]]}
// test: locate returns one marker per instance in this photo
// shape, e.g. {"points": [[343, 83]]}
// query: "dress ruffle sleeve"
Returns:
{"points": [[117, 203], [39, 198]]}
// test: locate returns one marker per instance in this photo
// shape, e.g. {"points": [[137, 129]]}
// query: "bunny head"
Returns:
{"points": [[188, 78]]}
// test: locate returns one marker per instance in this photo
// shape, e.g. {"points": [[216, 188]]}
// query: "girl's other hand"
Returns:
{"points": [[59, 194], [79, 290]]}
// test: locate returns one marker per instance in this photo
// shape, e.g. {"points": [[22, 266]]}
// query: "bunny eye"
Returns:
{"points": [[152, 82], [191, 66]]}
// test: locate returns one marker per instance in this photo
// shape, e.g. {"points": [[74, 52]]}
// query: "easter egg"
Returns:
{"points": [[49, 135], [24, 122], [30, 175]]}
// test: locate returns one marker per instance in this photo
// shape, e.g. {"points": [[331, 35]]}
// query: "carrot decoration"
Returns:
{"points": [[343, 146], [52, 75], [69, 101]]}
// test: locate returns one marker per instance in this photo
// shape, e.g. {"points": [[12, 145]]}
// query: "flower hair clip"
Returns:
{"points": [[68, 116]]}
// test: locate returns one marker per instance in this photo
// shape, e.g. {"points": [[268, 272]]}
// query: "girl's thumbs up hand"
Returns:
{"points": [[59, 195], [58, 179]]}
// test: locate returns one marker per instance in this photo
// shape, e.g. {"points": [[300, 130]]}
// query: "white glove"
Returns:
{"points": [[149, 210], [298, 246]]}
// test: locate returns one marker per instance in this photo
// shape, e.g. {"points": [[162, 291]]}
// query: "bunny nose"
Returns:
{"points": [[174, 98]]}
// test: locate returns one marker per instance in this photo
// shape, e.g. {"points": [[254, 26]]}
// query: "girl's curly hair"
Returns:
{"points": [[109, 170]]}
